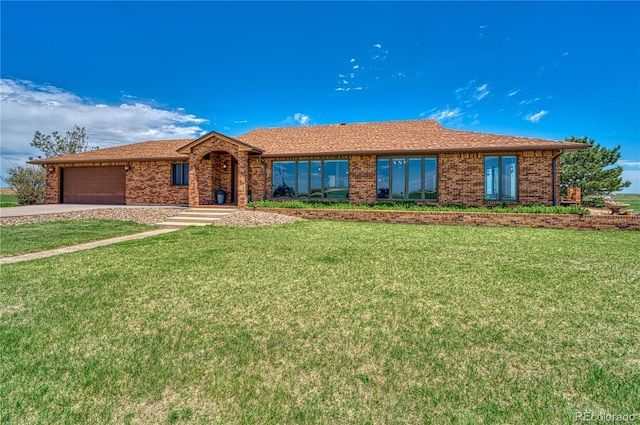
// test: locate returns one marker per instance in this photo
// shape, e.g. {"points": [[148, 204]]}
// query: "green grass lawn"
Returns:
{"points": [[628, 198], [325, 322], [8, 200], [15, 240]]}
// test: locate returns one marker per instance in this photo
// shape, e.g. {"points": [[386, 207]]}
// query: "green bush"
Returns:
{"points": [[410, 206], [593, 201], [28, 183]]}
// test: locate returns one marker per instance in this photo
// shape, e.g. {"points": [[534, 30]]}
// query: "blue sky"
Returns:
{"points": [[135, 71]]}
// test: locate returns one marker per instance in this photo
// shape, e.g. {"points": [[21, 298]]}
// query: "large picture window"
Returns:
{"points": [[407, 178], [500, 178], [315, 179], [180, 174]]}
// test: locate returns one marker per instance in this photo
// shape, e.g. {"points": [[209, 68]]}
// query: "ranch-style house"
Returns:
{"points": [[417, 160]]}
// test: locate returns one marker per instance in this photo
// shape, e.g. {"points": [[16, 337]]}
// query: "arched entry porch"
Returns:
{"points": [[218, 162]]}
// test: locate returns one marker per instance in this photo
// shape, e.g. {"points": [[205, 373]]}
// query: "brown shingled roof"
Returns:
{"points": [[144, 151], [390, 136], [362, 138]]}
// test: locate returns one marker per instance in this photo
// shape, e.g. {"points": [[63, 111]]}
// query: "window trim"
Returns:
{"points": [[501, 197], [406, 198]]}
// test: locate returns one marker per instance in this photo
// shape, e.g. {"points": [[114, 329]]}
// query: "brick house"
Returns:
{"points": [[418, 161]]}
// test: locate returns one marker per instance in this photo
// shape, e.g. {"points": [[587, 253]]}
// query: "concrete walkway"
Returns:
{"points": [[81, 247]]}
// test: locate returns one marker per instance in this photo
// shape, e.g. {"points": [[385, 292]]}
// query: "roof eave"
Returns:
{"points": [[120, 159]]}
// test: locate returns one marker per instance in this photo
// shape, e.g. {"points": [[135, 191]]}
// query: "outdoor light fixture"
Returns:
{"points": [[127, 166], [52, 169], [224, 165]]}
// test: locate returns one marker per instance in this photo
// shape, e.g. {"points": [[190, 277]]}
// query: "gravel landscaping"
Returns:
{"points": [[151, 215], [255, 219], [143, 215]]}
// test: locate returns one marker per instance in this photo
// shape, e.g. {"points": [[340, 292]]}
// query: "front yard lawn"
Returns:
{"points": [[15, 240], [326, 322]]}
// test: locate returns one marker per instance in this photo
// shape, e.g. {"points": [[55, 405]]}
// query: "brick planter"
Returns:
{"points": [[547, 221]]}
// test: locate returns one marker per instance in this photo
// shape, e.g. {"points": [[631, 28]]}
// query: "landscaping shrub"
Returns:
{"points": [[410, 206]]}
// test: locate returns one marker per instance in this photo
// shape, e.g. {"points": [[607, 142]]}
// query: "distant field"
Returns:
{"points": [[633, 199], [8, 198]]}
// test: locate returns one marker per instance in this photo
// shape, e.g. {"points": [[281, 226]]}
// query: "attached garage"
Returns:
{"points": [[93, 185]]}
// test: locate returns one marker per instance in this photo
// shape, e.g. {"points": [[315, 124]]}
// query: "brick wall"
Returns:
{"points": [[362, 179], [548, 221], [460, 177], [149, 182], [146, 182], [52, 184]]}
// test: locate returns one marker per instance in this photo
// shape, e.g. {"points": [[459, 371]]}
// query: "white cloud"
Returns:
{"points": [[379, 46], [513, 93], [352, 60], [535, 118], [565, 54], [443, 115], [470, 94], [299, 119], [28, 107], [481, 92], [240, 121], [629, 164], [484, 27], [529, 101], [356, 66]]}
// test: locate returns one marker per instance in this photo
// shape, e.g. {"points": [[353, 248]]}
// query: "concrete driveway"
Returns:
{"points": [[53, 208]]}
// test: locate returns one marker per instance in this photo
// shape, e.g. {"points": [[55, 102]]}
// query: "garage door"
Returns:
{"points": [[93, 185]]}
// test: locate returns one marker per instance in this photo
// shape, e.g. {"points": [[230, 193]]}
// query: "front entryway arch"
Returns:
{"points": [[218, 162]]}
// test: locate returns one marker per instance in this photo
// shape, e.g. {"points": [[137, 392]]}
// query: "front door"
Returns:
{"points": [[234, 180]]}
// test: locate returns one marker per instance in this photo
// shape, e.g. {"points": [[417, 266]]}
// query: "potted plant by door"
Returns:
{"points": [[220, 194]]}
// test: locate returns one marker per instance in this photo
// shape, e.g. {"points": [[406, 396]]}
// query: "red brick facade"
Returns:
{"points": [[460, 177], [212, 164]]}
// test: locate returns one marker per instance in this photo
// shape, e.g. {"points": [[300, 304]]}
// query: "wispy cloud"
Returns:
{"points": [[629, 164], [299, 119], [481, 92], [529, 101], [443, 115], [240, 121], [28, 107], [513, 92], [535, 118], [362, 68], [472, 93]]}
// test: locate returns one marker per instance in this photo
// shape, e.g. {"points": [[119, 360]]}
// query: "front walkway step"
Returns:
{"points": [[197, 217]]}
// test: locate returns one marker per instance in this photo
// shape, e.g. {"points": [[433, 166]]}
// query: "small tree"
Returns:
{"points": [[53, 144], [593, 170], [28, 182]]}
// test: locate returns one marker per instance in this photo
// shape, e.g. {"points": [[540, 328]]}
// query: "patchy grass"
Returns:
{"points": [[8, 200], [411, 206], [35, 237], [325, 322]]}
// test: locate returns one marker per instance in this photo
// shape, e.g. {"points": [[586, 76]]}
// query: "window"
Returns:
{"points": [[180, 174], [315, 179], [500, 178], [407, 178], [284, 179]]}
